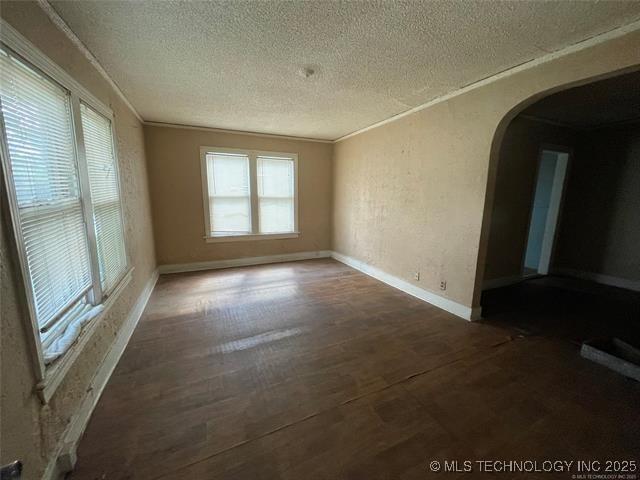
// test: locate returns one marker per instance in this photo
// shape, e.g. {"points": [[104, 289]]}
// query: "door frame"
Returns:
{"points": [[556, 203]]}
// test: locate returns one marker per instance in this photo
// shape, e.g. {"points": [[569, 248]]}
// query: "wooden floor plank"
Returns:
{"points": [[313, 370]]}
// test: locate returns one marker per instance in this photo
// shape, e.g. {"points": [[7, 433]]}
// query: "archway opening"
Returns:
{"points": [[563, 255]]}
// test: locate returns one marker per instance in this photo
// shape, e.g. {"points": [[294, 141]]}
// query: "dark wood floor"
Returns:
{"points": [[568, 308], [311, 370]]}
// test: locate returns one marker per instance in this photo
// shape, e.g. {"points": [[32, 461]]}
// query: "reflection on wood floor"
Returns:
{"points": [[312, 370]]}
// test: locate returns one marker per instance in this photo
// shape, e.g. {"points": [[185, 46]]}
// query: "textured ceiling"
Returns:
{"points": [[600, 103], [237, 64]]}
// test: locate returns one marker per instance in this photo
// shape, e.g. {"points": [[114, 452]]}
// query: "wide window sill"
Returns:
{"points": [[251, 237], [56, 371]]}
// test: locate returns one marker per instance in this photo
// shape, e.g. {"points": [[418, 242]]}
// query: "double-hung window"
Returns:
{"points": [[249, 194], [60, 170]]}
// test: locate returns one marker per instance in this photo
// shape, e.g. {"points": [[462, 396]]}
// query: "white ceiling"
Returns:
{"points": [[236, 64]]}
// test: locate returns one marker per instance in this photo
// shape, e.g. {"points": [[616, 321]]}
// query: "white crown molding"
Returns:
{"points": [[236, 132], [595, 40], [15, 41], [64, 28], [576, 47]]}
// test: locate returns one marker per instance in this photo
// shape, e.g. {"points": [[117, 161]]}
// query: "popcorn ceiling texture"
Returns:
{"points": [[431, 175], [31, 431], [236, 65], [428, 176]]}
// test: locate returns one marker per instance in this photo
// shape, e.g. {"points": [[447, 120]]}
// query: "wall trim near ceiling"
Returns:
{"points": [[236, 132], [458, 309], [64, 28], [64, 456], [610, 280], [576, 47]]}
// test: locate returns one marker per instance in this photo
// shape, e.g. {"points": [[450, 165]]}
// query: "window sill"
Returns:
{"points": [[55, 373], [251, 237]]}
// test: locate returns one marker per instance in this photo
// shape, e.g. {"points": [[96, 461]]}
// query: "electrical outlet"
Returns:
{"points": [[443, 285], [416, 276]]}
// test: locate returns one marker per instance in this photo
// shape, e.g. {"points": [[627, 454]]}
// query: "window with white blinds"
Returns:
{"points": [[56, 244], [276, 194], [229, 193], [105, 196], [249, 194]]}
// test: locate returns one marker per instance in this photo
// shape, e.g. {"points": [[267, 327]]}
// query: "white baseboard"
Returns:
{"points": [[64, 459], [242, 262], [600, 278], [450, 306]]}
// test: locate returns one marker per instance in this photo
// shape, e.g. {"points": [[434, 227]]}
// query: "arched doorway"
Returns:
{"points": [[564, 206]]}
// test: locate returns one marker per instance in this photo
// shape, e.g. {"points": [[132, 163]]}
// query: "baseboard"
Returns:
{"points": [[600, 278], [64, 459], [450, 306], [242, 262]]}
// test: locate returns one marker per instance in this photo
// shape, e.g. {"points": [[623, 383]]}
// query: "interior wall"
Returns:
{"points": [[600, 228], [416, 194], [514, 192], [176, 193], [31, 431]]}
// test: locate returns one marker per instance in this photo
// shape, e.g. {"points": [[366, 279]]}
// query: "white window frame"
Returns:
{"points": [[50, 376], [253, 191]]}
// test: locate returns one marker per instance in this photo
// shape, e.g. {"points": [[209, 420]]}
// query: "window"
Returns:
{"points": [[105, 196], [229, 198], [61, 175], [276, 194], [249, 195]]}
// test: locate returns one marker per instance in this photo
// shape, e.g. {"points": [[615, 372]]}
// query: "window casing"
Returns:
{"points": [[249, 194], [59, 165]]}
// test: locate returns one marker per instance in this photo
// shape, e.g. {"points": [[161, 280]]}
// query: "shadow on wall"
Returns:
{"points": [[600, 228], [598, 231]]}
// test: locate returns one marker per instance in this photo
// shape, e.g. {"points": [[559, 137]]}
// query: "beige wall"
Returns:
{"points": [[600, 227], [416, 194], [176, 191], [29, 430], [515, 183]]}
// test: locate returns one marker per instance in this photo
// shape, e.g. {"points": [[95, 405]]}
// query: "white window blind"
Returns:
{"points": [[105, 196], [39, 137], [276, 194], [70, 259], [229, 193]]}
